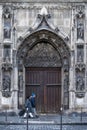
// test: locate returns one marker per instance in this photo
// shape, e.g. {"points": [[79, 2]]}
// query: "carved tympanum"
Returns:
{"points": [[42, 55]]}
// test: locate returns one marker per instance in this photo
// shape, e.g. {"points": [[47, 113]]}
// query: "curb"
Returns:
{"points": [[41, 123]]}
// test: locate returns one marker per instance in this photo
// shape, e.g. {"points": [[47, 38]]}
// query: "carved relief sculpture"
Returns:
{"points": [[20, 82], [7, 53], [66, 81], [80, 22], [80, 82], [80, 29], [6, 86], [80, 53], [6, 83]]}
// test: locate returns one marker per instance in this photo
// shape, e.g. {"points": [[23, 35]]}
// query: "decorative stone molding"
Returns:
{"points": [[49, 1], [31, 5]]}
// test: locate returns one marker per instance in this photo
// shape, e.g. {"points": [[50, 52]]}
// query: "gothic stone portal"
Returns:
{"points": [[44, 55]]}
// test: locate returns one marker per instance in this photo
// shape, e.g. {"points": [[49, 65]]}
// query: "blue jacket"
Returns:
{"points": [[28, 105], [32, 100]]}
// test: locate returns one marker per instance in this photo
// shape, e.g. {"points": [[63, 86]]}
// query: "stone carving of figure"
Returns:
{"points": [[7, 32], [20, 81], [80, 55], [7, 54], [66, 80], [6, 83], [80, 31], [79, 83]]}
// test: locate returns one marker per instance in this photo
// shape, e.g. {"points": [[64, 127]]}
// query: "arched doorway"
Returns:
{"points": [[43, 76], [43, 62]]}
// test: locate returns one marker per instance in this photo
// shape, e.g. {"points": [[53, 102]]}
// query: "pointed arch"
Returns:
{"points": [[58, 48]]}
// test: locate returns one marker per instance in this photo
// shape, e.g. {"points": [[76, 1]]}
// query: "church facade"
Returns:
{"points": [[43, 49]]}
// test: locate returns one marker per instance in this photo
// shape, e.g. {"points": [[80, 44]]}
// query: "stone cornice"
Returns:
{"points": [[43, 1], [38, 6], [32, 4]]}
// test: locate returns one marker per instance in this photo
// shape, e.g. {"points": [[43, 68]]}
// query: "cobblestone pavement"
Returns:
{"points": [[42, 127]]}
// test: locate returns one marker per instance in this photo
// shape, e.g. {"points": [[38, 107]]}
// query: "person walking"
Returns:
{"points": [[33, 104], [28, 108]]}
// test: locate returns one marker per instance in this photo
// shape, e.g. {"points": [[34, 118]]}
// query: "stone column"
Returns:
{"points": [[15, 89], [71, 90], [15, 82], [71, 72], [1, 34]]}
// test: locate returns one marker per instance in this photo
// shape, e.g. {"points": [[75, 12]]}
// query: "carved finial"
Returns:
{"points": [[43, 11]]}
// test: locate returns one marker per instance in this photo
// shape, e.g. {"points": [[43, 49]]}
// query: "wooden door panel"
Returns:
{"points": [[53, 98], [33, 84]]}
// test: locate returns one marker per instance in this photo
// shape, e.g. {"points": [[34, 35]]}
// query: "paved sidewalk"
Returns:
{"points": [[45, 119], [44, 122]]}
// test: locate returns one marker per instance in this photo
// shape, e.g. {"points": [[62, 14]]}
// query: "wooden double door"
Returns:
{"points": [[46, 84]]}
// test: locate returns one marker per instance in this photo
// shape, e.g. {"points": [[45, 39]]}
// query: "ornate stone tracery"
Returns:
{"points": [[42, 55]]}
